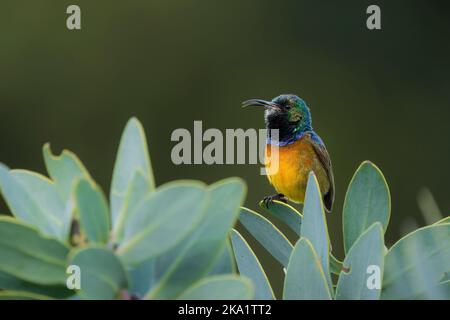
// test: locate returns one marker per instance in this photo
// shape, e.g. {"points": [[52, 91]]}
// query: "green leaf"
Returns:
{"points": [[428, 206], [249, 266], [293, 219], [424, 287], [141, 277], [138, 190], [417, 263], [225, 264], [305, 279], [44, 192], [314, 226], [204, 246], [20, 295], [30, 256], [228, 287], [443, 220], [429, 290], [32, 199], [446, 277], [440, 291], [162, 221], [102, 273], [65, 170], [12, 283], [367, 201], [267, 234], [285, 213], [132, 156], [93, 211], [367, 251]]}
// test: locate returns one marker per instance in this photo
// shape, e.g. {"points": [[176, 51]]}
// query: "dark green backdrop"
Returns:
{"points": [[378, 95]]}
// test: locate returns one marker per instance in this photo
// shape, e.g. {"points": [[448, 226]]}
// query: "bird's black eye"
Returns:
{"points": [[287, 106]]}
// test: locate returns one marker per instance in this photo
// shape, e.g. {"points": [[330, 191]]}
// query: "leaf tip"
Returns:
{"points": [[3, 167]]}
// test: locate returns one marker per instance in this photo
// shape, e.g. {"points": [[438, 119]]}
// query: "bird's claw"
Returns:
{"points": [[269, 199]]}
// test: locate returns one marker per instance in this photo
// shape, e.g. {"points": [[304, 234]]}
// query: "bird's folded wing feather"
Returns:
{"points": [[324, 157]]}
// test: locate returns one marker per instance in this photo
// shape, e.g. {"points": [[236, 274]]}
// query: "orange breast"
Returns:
{"points": [[295, 162]]}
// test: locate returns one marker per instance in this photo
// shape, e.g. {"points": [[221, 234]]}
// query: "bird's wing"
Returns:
{"points": [[324, 157]]}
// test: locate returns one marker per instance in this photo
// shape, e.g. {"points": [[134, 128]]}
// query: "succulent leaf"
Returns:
{"points": [[367, 201], [93, 211], [32, 198], [417, 263], [102, 273], [305, 279], [267, 234], [225, 264], [28, 255], [314, 225], [228, 287], [249, 266], [138, 189], [21, 295], [160, 223], [365, 254], [64, 170], [285, 213], [293, 219], [12, 283], [202, 249], [132, 156]]}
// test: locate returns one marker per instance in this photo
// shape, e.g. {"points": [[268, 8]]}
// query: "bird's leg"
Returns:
{"points": [[269, 199]]}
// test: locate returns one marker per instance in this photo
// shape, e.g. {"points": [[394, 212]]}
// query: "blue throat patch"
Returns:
{"points": [[287, 142]]}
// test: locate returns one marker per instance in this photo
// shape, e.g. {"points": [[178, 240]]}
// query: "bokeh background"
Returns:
{"points": [[378, 95]]}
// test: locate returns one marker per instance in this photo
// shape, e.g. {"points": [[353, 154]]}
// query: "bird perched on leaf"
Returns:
{"points": [[300, 149]]}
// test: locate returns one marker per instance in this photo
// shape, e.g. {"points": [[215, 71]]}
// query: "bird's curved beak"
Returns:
{"points": [[260, 103]]}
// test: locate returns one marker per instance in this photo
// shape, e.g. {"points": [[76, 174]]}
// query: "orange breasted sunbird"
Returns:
{"points": [[300, 149]]}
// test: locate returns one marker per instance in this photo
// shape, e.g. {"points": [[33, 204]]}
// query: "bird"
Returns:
{"points": [[301, 150]]}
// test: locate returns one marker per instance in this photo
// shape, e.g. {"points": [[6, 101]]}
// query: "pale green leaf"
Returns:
{"points": [[227, 287], [12, 283], [417, 263], [43, 190], [32, 199], [267, 234], [92, 211], [102, 273], [249, 266], [165, 218], [314, 225], [204, 246], [440, 291], [21, 295], [364, 259], [139, 188], [141, 277], [65, 170], [424, 288], [367, 201], [443, 220], [293, 219], [132, 156], [285, 213], [305, 279], [225, 264], [28, 255]]}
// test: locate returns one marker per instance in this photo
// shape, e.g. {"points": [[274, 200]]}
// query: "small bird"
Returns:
{"points": [[301, 150]]}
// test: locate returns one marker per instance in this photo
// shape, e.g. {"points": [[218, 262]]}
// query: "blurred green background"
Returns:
{"points": [[377, 95]]}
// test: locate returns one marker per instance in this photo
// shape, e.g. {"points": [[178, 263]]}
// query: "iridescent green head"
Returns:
{"points": [[288, 113]]}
